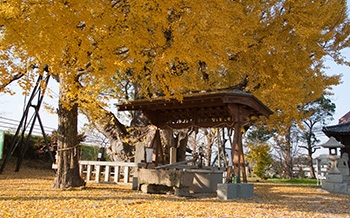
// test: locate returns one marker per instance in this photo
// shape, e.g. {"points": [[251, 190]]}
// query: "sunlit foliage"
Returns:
{"points": [[273, 49], [260, 157]]}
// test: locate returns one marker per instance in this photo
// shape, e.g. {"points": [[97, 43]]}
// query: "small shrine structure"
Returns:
{"points": [[335, 178], [341, 133], [229, 108], [339, 181]]}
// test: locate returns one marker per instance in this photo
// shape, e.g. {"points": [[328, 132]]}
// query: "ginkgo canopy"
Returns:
{"points": [[273, 49]]}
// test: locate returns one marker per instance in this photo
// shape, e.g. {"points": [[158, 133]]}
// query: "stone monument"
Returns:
{"points": [[334, 179], [343, 167]]}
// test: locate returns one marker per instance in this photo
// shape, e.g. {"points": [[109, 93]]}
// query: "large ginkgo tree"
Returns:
{"points": [[273, 49]]}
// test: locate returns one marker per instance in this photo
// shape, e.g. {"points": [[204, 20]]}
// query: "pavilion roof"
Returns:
{"points": [[202, 109], [340, 129]]}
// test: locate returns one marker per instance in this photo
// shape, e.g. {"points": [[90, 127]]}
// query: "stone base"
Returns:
{"points": [[135, 183], [205, 181], [335, 187], [334, 178], [335, 183], [346, 179], [182, 192], [181, 181], [228, 191]]}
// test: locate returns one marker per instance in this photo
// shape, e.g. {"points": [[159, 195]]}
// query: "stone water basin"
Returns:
{"points": [[184, 181]]}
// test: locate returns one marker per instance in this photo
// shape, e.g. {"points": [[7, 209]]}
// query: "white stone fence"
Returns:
{"points": [[105, 171]]}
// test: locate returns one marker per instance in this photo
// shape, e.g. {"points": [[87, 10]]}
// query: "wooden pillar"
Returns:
{"points": [[242, 164], [230, 162], [237, 151], [228, 174], [239, 162], [239, 114]]}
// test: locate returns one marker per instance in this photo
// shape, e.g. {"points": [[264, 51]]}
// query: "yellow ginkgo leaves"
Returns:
{"points": [[29, 193]]}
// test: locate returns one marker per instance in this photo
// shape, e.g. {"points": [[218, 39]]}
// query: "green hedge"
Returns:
{"points": [[89, 152]]}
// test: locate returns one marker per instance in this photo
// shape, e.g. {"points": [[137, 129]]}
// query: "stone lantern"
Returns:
{"points": [[334, 179], [332, 144]]}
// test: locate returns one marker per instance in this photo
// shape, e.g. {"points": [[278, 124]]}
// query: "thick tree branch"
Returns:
{"points": [[14, 78]]}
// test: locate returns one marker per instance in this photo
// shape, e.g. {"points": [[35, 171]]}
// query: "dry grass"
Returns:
{"points": [[29, 193]]}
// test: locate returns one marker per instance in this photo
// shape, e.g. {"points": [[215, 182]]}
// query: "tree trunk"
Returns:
{"points": [[312, 169], [68, 149], [286, 148], [114, 131], [210, 141], [287, 163], [121, 139]]}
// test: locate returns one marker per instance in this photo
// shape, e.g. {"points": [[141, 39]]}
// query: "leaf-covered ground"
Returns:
{"points": [[29, 193]]}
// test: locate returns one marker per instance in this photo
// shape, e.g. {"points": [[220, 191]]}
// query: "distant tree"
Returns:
{"points": [[299, 163], [284, 147], [318, 113], [259, 153]]}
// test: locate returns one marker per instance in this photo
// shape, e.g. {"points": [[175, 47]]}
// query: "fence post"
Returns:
{"points": [[116, 174], [2, 138], [107, 174], [126, 174], [97, 173], [95, 170], [88, 172]]}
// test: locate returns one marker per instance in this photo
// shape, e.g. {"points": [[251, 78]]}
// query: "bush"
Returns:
{"points": [[259, 155], [33, 146], [89, 152], [36, 149]]}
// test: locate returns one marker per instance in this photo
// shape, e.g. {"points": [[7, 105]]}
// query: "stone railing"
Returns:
{"points": [[104, 171]]}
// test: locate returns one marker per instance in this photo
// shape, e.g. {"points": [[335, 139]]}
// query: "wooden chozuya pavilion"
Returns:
{"points": [[230, 108]]}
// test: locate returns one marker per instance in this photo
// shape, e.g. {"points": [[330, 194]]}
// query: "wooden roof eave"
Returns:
{"points": [[211, 103]]}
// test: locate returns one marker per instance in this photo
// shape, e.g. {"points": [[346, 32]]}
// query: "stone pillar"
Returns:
{"points": [[172, 155], [228, 191], [139, 152], [343, 167], [139, 158]]}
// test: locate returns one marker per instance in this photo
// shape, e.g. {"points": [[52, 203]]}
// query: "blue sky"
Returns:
{"points": [[341, 92]]}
